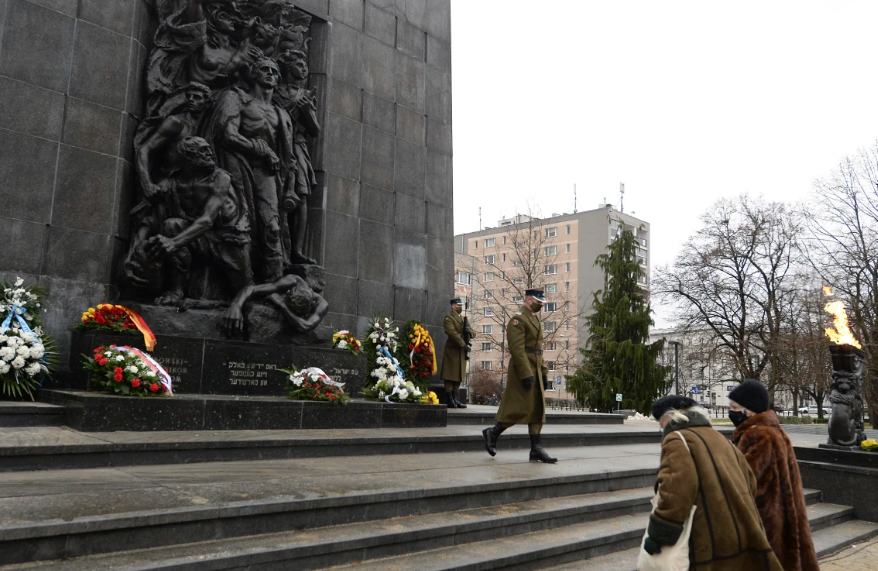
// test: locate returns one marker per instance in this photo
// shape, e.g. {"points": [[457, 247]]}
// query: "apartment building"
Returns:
{"points": [[556, 254]]}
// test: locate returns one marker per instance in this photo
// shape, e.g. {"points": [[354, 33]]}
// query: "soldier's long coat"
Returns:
{"points": [[520, 406], [454, 357]]}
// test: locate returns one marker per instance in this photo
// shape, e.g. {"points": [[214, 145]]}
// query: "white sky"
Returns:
{"points": [[683, 101]]}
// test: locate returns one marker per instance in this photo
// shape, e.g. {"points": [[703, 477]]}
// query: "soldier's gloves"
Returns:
{"points": [[527, 383], [651, 546], [547, 384], [467, 348]]}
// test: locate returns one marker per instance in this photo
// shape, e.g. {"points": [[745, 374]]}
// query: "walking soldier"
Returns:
{"points": [[524, 399], [456, 351]]}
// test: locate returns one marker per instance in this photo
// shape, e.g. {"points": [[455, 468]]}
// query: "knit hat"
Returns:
{"points": [[664, 404], [752, 395]]}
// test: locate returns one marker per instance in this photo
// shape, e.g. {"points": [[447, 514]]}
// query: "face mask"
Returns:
{"points": [[458, 310], [536, 307], [737, 417]]}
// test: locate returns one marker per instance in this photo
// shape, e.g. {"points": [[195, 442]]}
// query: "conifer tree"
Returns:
{"points": [[617, 357]]}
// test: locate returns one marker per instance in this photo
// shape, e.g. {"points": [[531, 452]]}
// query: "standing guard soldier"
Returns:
{"points": [[524, 400], [456, 351]]}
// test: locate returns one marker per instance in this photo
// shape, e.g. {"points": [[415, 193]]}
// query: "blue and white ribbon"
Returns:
{"points": [[399, 374], [17, 312]]}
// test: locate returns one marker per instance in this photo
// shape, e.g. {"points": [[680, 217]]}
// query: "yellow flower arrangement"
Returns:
{"points": [[870, 445], [430, 398]]}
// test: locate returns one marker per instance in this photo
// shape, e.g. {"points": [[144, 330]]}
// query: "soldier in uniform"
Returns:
{"points": [[454, 359], [524, 400]]}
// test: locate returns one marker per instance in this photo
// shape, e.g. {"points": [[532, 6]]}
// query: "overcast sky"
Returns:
{"points": [[684, 102]]}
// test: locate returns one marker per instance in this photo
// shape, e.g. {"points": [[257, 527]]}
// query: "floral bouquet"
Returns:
{"points": [[420, 361], [390, 384], [314, 384], [26, 353], [344, 339], [382, 333], [870, 445], [117, 318], [127, 371], [429, 398]]}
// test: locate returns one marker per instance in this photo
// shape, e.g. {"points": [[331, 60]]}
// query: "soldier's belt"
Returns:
{"points": [[534, 351]]}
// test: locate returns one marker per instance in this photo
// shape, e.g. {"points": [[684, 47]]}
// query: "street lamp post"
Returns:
{"points": [[676, 345]]}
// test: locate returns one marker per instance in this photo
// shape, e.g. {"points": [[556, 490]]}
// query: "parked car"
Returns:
{"points": [[813, 410], [803, 410]]}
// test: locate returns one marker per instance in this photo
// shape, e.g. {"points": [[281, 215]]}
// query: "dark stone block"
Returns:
{"points": [[379, 68], [410, 260], [115, 15], [100, 66], [68, 299], [375, 297], [410, 81], [415, 12], [124, 200], [439, 137], [64, 6], [438, 53], [435, 280], [396, 416], [137, 61], [438, 96], [131, 414], [379, 113], [344, 138], [411, 40], [347, 55], [380, 25], [410, 125], [27, 175], [31, 110], [354, 415], [435, 252], [77, 255], [247, 414], [377, 262], [407, 304], [377, 162], [341, 294], [341, 244], [318, 52], [348, 11], [29, 240], [377, 205], [84, 192], [232, 368], [438, 178], [438, 218], [410, 166], [337, 321], [345, 99], [315, 7], [37, 45], [343, 195], [437, 19], [92, 127], [126, 138], [316, 231], [411, 213]]}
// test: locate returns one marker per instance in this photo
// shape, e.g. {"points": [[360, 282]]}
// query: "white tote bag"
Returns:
{"points": [[672, 557]]}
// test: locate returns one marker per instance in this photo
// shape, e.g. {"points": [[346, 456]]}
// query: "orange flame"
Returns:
{"points": [[840, 334]]}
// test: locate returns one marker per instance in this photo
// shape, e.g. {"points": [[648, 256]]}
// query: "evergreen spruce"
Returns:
{"points": [[617, 357]]}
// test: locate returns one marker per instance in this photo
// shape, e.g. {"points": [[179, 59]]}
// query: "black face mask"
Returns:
{"points": [[737, 417]]}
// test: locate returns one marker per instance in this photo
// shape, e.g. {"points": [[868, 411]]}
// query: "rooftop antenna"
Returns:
{"points": [[574, 198], [480, 218], [621, 197]]}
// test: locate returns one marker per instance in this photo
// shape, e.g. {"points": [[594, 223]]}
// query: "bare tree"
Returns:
{"points": [[731, 278], [844, 251]]}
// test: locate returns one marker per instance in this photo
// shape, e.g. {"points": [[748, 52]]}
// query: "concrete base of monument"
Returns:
{"points": [[88, 411], [224, 367]]}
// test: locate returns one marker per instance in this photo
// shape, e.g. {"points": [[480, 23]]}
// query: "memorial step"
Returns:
{"points": [[25, 414], [61, 449], [485, 415], [53, 515]]}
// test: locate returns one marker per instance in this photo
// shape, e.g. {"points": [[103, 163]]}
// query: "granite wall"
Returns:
{"points": [[71, 88]]}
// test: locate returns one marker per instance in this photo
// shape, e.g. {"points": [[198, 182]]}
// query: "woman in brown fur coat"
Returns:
{"points": [[779, 494]]}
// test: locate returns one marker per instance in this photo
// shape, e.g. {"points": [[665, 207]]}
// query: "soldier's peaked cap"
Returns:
{"points": [[537, 294], [456, 301]]}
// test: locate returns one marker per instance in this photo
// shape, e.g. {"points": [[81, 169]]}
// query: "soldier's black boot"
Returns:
{"points": [[457, 401], [537, 453], [491, 435]]}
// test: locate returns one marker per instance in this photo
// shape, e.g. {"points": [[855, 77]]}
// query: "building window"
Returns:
{"points": [[464, 278], [642, 279], [553, 346], [517, 299], [488, 311], [489, 277], [566, 286], [515, 263], [568, 248], [730, 388], [502, 275], [551, 250], [504, 240], [551, 288], [568, 228], [487, 329], [550, 326], [550, 307], [518, 280], [490, 242], [490, 260], [550, 365], [551, 269], [486, 365], [566, 326], [567, 267], [551, 232], [486, 346], [487, 294], [503, 257], [567, 345]]}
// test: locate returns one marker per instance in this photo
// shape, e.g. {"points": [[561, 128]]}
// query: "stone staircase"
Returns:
{"points": [[449, 508]]}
